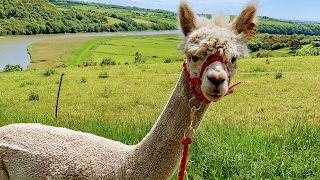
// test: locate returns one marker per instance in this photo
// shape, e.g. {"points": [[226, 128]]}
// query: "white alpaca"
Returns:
{"points": [[35, 151]]}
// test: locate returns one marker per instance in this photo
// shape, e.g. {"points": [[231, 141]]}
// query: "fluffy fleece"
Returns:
{"points": [[35, 151]]}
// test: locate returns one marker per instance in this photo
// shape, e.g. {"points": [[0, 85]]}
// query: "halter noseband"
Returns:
{"points": [[197, 81]]}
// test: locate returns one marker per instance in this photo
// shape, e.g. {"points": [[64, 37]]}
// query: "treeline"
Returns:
{"points": [[25, 17], [293, 28], [294, 42]]}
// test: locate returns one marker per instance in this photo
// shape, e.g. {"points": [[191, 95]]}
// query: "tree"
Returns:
{"points": [[295, 45], [138, 58]]}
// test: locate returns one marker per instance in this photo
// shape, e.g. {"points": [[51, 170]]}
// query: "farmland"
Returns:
{"points": [[267, 129]]}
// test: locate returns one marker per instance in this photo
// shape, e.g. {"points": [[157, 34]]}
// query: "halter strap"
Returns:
{"points": [[197, 81]]}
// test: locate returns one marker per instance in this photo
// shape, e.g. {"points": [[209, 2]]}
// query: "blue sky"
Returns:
{"points": [[307, 10]]}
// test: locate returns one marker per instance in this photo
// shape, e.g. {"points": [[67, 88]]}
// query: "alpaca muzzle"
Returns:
{"points": [[196, 82]]}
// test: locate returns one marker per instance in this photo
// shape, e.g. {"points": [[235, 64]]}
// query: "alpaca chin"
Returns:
{"points": [[214, 95]]}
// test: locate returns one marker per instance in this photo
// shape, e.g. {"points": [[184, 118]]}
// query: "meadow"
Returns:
{"points": [[52, 52], [268, 129]]}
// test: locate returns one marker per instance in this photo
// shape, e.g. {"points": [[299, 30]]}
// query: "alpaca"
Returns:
{"points": [[35, 151]]}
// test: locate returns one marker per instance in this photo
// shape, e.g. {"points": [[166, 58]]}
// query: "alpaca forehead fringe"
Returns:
{"points": [[215, 37]]}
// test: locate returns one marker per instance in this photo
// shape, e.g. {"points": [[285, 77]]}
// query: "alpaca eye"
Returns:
{"points": [[233, 60], [195, 58]]}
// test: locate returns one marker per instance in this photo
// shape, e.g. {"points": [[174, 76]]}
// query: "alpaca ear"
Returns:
{"points": [[246, 16], [187, 17]]}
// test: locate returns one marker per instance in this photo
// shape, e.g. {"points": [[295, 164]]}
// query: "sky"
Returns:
{"points": [[305, 10]]}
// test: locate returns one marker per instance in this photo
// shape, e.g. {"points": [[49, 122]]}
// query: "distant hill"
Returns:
{"points": [[24, 17]]}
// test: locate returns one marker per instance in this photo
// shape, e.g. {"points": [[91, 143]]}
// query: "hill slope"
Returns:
{"points": [[24, 17]]}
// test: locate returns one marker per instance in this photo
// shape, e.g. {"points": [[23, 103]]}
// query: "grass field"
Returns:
{"points": [[142, 21], [268, 129], [49, 53], [122, 49]]}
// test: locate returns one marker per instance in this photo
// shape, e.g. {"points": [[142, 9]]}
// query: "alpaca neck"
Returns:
{"points": [[161, 150]]}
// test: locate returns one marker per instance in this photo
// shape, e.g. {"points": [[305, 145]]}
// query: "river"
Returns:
{"points": [[13, 50]]}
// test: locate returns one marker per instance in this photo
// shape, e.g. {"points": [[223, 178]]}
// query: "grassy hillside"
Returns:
{"points": [[122, 49], [73, 51], [267, 129], [24, 17]]}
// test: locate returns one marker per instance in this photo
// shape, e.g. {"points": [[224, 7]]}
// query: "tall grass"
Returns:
{"points": [[268, 129]]}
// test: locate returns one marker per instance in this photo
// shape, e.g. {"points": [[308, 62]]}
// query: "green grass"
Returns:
{"points": [[112, 20], [268, 129], [283, 52], [122, 49]]}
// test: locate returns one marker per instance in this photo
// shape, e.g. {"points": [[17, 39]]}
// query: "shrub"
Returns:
{"points": [[267, 61], [126, 63], [10, 67], [278, 75], [61, 66], [33, 96], [83, 80], [49, 72], [138, 58], [263, 55], [316, 44], [103, 75], [107, 61], [168, 60], [89, 63]]}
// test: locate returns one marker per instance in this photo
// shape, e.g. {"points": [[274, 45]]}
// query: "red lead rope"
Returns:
{"points": [[186, 143]]}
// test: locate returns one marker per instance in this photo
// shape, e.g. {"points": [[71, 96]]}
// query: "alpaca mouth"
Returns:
{"points": [[213, 97]]}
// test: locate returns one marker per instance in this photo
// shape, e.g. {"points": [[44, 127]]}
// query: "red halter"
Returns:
{"points": [[197, 81]]}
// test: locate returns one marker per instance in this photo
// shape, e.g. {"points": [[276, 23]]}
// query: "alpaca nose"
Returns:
{"points": [[216, 77]]}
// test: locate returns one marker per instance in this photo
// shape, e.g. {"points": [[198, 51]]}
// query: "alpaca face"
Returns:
{"points": [[204, 38]]}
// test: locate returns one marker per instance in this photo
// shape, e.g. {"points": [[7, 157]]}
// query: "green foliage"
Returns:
{"points": [[267, 61], [263, 55], [61, 66], [33, 96], [278, 75], [83, 80], [254, 45], [49, 72], [168, 60], [87, 63], [103, 75], [316, 43], [139, 59], [295, 45], [108, 61], [10, 67], [289, 28]]}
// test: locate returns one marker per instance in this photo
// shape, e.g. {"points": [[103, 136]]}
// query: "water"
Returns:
{"points": [[13, 50]]}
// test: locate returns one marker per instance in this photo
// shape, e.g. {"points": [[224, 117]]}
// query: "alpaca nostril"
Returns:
{"points": [[216, 81]]}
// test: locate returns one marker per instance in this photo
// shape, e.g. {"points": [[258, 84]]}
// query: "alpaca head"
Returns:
{"points": [[204, 38]]}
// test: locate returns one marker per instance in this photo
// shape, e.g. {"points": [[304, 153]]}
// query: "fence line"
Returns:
{"points": [[137, 75]]}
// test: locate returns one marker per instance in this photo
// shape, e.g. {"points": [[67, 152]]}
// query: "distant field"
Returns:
{"points": [[142, 21], [267, 129], [112, 20], [122, 49], [48, 53], [276, 53]]}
